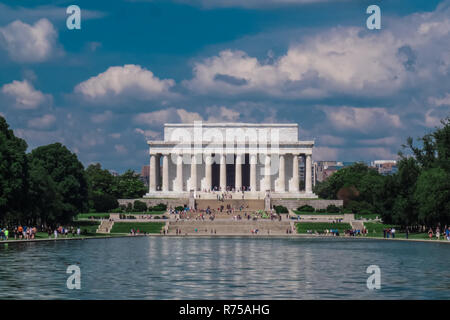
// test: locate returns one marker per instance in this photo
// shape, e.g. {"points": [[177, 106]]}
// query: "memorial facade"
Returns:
{"points": [[250, 160]]}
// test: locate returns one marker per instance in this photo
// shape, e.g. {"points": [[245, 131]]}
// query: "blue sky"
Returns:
{"points": [[134, 65]]}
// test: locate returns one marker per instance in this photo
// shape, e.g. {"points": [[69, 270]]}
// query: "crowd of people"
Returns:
{"points": [[437, 233], [30, 233]]}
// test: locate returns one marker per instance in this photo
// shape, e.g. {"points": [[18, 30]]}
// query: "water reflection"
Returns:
{"points": [[224, 268]]}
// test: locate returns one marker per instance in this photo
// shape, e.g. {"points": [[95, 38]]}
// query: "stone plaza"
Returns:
{"points": [[245, 160]]}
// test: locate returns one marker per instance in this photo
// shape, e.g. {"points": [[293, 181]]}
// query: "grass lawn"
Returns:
{"points": [[317, 213], [303, 227], [148, 227]]}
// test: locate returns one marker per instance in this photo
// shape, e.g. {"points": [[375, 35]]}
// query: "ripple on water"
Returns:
{"points": [[225, 268]]}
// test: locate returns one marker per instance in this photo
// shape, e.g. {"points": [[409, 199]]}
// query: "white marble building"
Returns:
{"points": [[207, 158]]}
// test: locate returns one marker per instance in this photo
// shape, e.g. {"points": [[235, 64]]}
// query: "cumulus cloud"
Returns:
{"points": [[364, 120], [169, 115], [124, 81], [24, 95], [43, 122], [173, 115], [29, 43], [410, 53], [342, 60]]}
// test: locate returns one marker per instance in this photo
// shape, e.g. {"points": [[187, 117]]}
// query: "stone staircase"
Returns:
{"points": [[229, 227], [105, 226], [246, 204], [357, 225]]}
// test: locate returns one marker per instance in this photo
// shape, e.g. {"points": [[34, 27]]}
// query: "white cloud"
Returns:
{"points": [[29, 43], [43, 122], [130, 81], [444, 101], [121, 149], [172, 115], [361, 119], [411, 52], [102, 117], [340, 60], [23, 93], [221, 114], [157, 118]]}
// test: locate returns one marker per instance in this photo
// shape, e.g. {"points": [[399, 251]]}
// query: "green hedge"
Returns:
{"points": [[306, 208], [281, 209]]}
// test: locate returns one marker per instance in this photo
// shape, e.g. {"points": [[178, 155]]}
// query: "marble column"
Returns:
{"points": [[193, 173], [238, 176], [158, 172], [253, 172], [165, 177], [152, 173], [223, 172], [295, 181], [208, 172], [267, 175], [281, 174], [308, 180], [179, 184]]}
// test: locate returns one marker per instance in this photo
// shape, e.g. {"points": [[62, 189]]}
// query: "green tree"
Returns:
{"points": [[404, 209], [100, 180], [129, 186], [103, 202], [432, 193], [13, 174], [101, 185], [58, 186]]}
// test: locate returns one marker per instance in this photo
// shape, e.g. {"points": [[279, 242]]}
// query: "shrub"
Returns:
{"points": [[306, 208], [129, 207], [179, 208], [321, 210], [333, 209], [280, 209], [139, 206], [158, 207]]}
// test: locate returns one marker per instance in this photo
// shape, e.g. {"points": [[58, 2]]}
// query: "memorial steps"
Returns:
{"points": [[229, 227], [247, 205]]}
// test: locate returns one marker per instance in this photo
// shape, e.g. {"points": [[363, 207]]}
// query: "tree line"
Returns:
{"points": [[417, 195], [49, 185]]}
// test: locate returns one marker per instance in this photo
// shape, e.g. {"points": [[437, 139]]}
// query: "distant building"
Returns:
{"points": [[324, 169], [385, 167]]}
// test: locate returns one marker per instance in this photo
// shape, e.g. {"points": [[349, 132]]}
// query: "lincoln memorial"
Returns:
{"points": [[249, 160]]}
